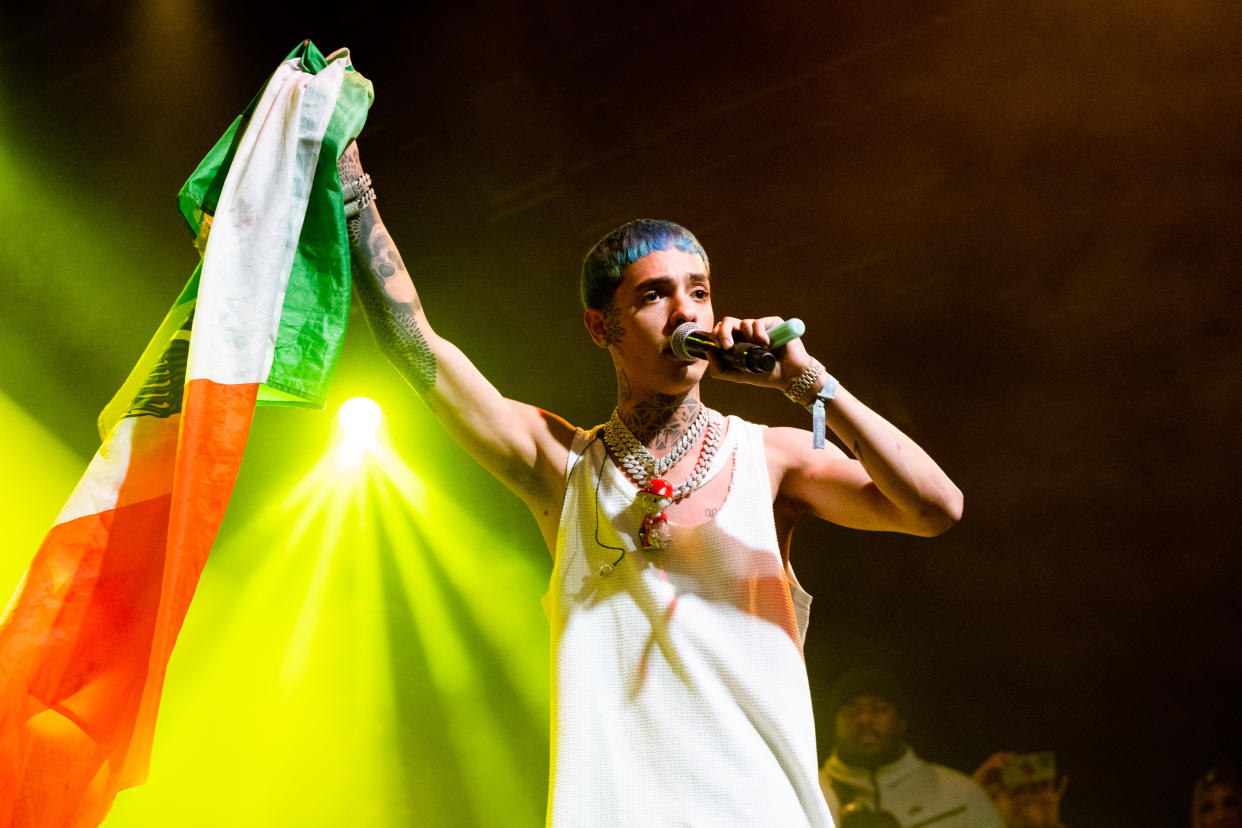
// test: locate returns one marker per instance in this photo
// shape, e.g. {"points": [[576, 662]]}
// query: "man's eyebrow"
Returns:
{"points": [[664, 278], [652, 282]]}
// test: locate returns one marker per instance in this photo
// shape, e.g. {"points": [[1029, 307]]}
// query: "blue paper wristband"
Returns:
{"points": [[819, 421]]}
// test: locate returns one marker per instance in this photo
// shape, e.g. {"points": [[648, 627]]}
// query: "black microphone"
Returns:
{"points": [[690, 343]]}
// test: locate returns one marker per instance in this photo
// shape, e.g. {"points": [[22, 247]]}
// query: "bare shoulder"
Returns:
{"points": [[554, 431], [806, 477], [790, 449], [551, 437], [538, 474]]}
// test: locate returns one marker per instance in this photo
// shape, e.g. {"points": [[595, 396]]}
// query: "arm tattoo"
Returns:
{"points": [[399, 337], [353, 228], [393, 322], [385, 260], [348, 168]]}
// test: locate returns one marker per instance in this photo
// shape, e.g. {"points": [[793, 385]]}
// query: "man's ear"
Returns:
{"points": [[596, 326]]}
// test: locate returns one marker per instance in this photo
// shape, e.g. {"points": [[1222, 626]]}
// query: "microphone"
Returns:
{"points": [[690, 343]]}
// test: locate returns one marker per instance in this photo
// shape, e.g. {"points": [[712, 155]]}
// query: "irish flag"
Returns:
{"points": [[86, 638]]}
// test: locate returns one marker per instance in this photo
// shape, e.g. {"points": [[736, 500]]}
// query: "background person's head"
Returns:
{"points": [[1217, 799], [868, 710]]}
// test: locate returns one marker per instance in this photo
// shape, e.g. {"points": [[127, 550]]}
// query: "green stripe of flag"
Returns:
{"points": [[316, 306]]}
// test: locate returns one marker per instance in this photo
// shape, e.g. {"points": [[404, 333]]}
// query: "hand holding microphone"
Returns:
{"points": [[689, 343]]}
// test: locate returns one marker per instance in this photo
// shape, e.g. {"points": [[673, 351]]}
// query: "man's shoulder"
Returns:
{"points": [[956, 785], [790, 456], [948, 781], [551, 432], [948, 777], [795, 443]]}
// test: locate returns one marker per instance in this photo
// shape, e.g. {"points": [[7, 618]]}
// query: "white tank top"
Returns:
{"points": [[679, 691]]}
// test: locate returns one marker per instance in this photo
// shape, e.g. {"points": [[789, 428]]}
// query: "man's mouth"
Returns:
{"points": [[667, 351]]}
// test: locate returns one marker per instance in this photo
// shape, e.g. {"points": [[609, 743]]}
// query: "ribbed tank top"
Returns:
{"points": [[679, 690]]}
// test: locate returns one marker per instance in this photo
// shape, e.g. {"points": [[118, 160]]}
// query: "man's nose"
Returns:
{"points": [[683, 309], [865, 715]]}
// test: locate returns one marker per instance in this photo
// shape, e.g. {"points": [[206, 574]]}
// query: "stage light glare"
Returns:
{"points": [[360, 420], [354, 601], [360, 417]]}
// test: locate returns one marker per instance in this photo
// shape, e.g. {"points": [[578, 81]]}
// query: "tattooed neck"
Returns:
{"points": [[659, 420], [614, 331]]}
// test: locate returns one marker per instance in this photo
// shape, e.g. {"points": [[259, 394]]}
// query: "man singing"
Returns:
{"points": [[679, 690]]}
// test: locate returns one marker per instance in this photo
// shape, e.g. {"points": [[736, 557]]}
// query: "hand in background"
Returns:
{"points": [[1028, 805]]}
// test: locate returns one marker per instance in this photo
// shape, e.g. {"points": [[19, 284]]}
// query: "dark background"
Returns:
{"points": [[1012, 228]]}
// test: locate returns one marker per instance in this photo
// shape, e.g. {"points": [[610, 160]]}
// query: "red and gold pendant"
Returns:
{"points": [[654, 533]]}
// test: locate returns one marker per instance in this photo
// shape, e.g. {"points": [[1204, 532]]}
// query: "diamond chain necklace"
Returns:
{"points": [[640, 466]]}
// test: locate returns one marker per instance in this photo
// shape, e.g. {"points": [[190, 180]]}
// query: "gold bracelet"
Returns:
{"points": [[797, 390]]}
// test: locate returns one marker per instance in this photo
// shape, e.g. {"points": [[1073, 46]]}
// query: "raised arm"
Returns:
{"points": [[890, 484], [523, 446]]}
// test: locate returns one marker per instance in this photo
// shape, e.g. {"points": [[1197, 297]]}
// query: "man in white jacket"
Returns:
{"points": [[873, 778]]}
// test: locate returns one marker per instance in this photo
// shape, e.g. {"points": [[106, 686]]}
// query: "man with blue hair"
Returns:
{"points": [[679, 691]]}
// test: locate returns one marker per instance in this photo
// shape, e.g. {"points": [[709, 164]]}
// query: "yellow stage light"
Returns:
{"points": [[360, 420], [360, 416]]}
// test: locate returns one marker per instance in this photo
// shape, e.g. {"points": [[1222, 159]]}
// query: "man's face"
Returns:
{"points": [[657, 293], [1219, 806], [870, 732]]}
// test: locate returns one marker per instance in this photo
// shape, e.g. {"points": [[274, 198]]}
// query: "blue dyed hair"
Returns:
{"points": [[607, 260]]}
